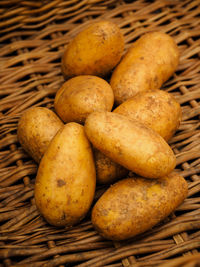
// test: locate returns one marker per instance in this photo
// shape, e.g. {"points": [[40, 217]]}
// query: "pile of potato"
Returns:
{"points": [[88, 141]]}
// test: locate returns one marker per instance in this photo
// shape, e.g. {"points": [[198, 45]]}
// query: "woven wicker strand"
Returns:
{"points": [[33, 37]]}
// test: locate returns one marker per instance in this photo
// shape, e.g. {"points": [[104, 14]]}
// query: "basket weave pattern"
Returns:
{"points": [[32, 40]]}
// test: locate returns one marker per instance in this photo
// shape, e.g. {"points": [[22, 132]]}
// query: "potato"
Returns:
{"points": [[94, 51], [81, 95], [130, 144], [36, 128], [134, 205], [149, 62], [107, 171], [66, 178], [157, 109]]}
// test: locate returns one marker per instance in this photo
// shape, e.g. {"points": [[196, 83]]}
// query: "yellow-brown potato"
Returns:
{"points": [[134, 205], [107, 171], [66, 178], [36, 128], [157, 109], [94, 51], [149, 62], [81, 95], [130, 144]]}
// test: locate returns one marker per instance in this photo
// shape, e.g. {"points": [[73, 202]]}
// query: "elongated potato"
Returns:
{"points": [[107, 171], [81, 95], [36, 128], [157, 109], [134, 205], [94, 51], [66, 178], [149, 62], [130, 143]]}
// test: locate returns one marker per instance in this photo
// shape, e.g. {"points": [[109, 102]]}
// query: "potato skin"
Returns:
{"points": [[36, 128], [134, 205], [107, 171], [149, 62], [157, 109], [94, 51], [130, 144], [66, 178], [81, 95]]}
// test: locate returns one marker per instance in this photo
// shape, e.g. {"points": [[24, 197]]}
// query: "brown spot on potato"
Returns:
{"points": [[104, 212], [60, 183], [63, 216], [68, 200], [156, 81]]}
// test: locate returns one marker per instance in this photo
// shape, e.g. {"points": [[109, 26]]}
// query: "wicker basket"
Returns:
{"points": [[33, 36]]}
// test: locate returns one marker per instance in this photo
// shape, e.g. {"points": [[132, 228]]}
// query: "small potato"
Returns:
{"points": [[94, 51], [107, 171], [36, 128], [130, 144], [157, 109], [81, 95], [147, 65], [66, 178], [134, 205]]}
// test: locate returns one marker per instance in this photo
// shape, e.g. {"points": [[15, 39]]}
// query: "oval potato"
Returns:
{"points": [[94, 51], [134, 205], [66, 178], [36, 128], [107, 171], [157, 109], [149, 62], [80, 96], [130, 144]]}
